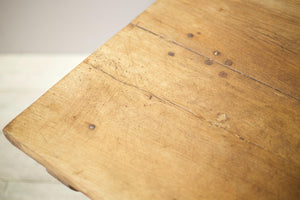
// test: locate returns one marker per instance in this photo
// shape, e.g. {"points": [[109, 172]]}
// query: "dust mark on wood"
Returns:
{"points": [[221, 117]]}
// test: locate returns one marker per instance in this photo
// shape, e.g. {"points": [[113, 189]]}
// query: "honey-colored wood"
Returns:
{"points": [[261, 38], [167, 123]]}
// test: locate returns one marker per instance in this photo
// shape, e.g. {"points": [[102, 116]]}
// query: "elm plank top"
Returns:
{"points": [[260, 38], [192, 100]]}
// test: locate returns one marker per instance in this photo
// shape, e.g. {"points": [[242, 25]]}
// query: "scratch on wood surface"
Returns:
{"points": [[222, 117], [149, 93], [275, 39]]}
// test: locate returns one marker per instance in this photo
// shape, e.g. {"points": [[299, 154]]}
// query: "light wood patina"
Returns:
{"points": [[192, 100]]}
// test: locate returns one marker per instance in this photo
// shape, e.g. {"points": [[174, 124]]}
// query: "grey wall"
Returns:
{"points": [[63, 26]]}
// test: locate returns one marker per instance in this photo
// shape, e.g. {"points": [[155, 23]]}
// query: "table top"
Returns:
{"points": [[192, 100]]}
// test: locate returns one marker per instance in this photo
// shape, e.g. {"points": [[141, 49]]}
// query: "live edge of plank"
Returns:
{"points": [[167, 126]]}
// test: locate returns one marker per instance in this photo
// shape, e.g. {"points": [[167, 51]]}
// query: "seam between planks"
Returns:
{"points": [[131, 85], [228, 67], [186, 110]]}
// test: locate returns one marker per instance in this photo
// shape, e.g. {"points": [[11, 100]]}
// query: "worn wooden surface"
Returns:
{"points": [[261, 38], [21, 178], [168, 123]]}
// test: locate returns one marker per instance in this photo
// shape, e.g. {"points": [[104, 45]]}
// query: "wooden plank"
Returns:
{"points": [[244, 107], [260, 38], [166, 127], [23, 79]]}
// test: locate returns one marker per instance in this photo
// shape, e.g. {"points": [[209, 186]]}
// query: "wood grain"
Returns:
{"points": [[261, 38], [168, 125], [245, 108], [161, 135]]}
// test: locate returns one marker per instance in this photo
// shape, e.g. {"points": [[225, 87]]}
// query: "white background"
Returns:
{"points": [[63, 26], [40, 42]]}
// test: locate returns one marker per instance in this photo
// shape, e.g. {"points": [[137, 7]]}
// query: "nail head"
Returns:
{"points": [[208, 62], [228, 62], [92, 126], [171, 53], [190, 35], [216, 53]]}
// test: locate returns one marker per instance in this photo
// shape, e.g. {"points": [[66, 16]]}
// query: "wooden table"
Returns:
{"points": [[192, 100]]}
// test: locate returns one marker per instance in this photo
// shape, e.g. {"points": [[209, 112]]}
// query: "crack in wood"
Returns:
{"points": [[149, 93], [168, 102], [228, 67]]}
